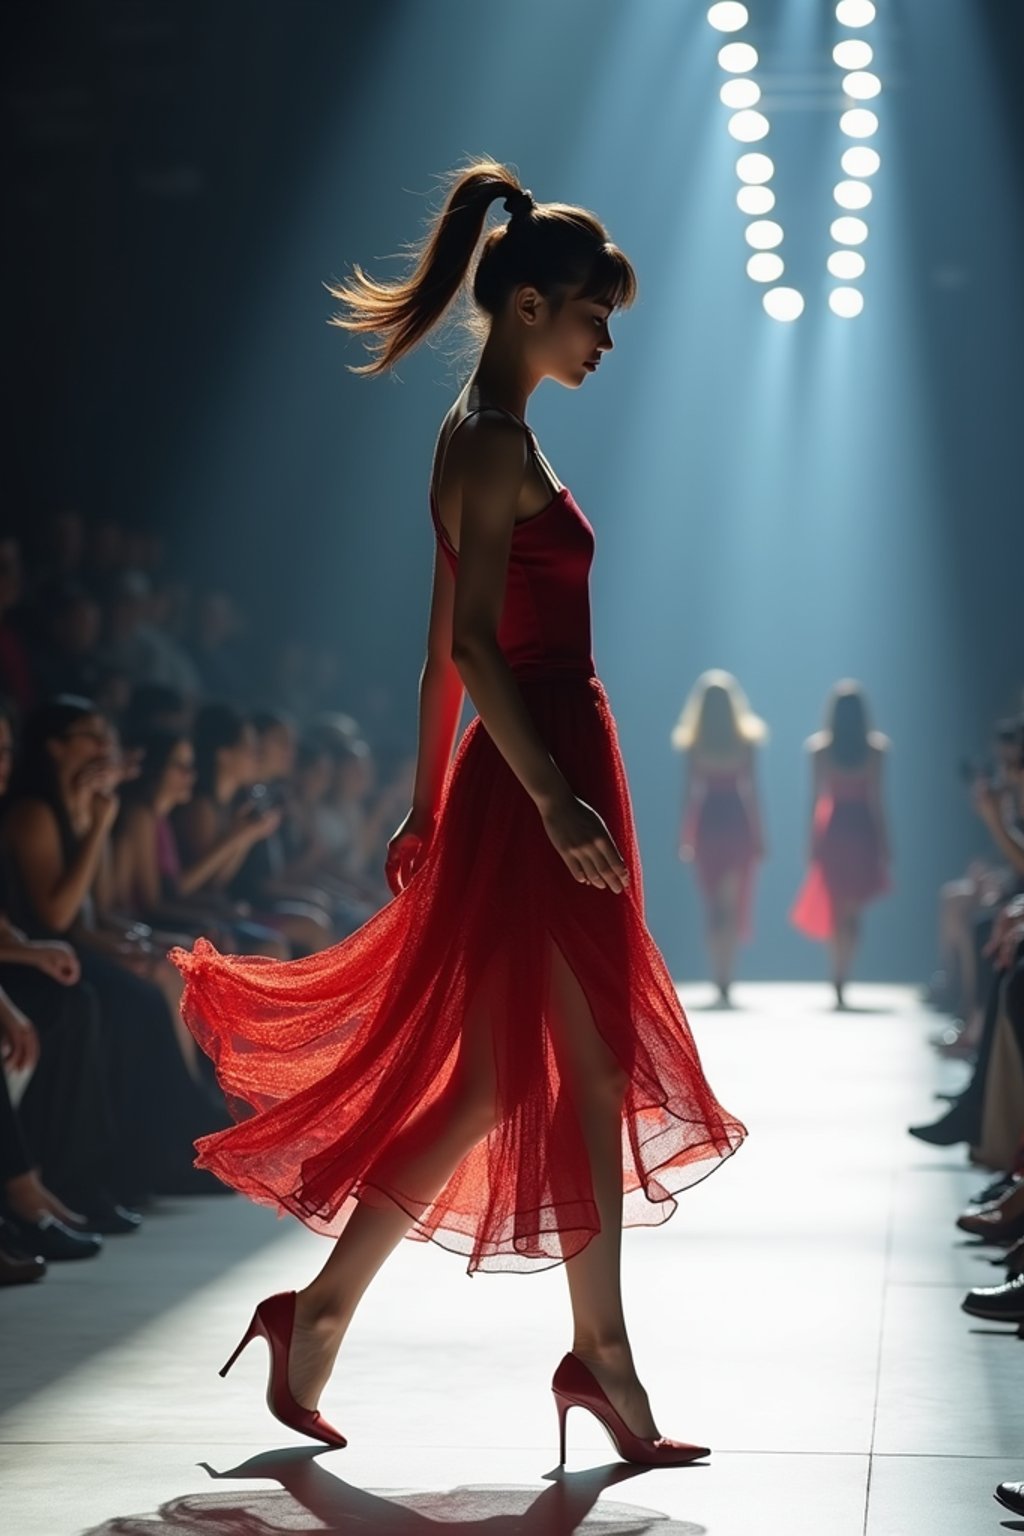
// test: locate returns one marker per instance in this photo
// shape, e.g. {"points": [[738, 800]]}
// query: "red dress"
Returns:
{"points": [[847, 858], [325, 1058], [719, 830]]}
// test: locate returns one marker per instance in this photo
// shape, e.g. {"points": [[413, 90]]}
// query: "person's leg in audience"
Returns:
{"points": [[160, 1109]]}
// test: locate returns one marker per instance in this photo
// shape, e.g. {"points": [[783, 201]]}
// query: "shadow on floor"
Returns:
{"points": [[310, 1493]]}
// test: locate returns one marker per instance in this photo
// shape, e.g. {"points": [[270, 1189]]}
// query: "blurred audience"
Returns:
{"points": [[157, 782]]}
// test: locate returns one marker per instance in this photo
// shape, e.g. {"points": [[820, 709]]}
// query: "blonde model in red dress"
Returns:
{"points": [[721, 833]]}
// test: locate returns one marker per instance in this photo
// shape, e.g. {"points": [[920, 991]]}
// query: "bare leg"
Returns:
{"points": [[596, 1084], [418, 1163], [723, 931], [844, 946]]}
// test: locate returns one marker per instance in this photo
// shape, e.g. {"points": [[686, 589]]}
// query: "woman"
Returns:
{"points": [[149, 878], [55, 837], [849, 845], [57, 1147], [475, 1063], [721, 824], [218, 827]]}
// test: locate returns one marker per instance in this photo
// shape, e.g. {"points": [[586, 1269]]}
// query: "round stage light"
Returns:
{"points": [[765, 268], [755, 169], [727, 16], [737, 58], [764, 234], [748, 127], [783, 303], [847, 265], [853, 54], [846, 302], [862, 85], [855, 13], [755, 200], [740, 93], [852, 194], [860, 160], [858, 123], [849, 231]]}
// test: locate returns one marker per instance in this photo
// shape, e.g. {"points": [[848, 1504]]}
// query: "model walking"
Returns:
{"points": [[497, 1059], [721, 831], [849, 852]]}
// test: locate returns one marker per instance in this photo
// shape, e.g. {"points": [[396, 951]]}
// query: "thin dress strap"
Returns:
{"points": [[535, 454]]}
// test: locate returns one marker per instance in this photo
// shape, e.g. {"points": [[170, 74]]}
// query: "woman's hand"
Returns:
{"points": [[56, 960], [255, 823], [408, 848], [19, 1043], [986, 801], [585, 844]]}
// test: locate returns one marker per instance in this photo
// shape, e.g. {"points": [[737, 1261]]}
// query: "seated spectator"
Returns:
{"points": [[149, 879], [54, 836], [267, 877], [57, 1149], [352, 823], [225, 748], [963, 902]]}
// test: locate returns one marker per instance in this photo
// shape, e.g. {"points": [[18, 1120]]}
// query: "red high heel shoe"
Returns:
{"points": [[574, 1386], [274, 1320]]}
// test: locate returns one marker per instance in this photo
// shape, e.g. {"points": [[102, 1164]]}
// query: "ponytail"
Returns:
{"points": [[552, 246], [400, 314]]}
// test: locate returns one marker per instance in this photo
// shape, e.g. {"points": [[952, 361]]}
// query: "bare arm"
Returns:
{"points": [[136, 876], [55, 892], [817, 785], [495, 462], [747, 788], [440, 697], [209, 860], [877, 801], [493, 468]]}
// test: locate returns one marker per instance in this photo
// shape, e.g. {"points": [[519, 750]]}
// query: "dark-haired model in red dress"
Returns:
{"points": [[849, 845], [497, 1060]]}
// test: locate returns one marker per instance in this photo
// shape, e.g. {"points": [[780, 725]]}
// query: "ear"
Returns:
{"points": [[528, 304]]}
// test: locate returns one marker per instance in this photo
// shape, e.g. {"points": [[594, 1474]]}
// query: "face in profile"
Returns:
{"points": [[178, 777], [568, 339]]}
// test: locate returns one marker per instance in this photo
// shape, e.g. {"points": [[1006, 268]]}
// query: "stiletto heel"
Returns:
{"points": [[574, 1386], [274, 1320], [563, 1406], [250, 1334]]}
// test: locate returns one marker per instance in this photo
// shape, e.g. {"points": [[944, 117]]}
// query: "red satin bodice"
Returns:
{"points": [[545, 621]]}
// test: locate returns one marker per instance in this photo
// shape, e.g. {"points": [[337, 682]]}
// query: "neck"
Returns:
{"points": [[224, 786], [501, 376]]}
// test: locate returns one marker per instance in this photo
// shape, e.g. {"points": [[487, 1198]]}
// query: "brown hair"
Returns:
{"points": [[554, 247]]}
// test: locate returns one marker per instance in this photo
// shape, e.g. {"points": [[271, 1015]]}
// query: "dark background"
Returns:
{"points": [[182, 177]]}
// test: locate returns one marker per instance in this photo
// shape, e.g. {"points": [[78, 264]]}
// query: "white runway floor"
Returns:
{"points": [[799, 1314]]}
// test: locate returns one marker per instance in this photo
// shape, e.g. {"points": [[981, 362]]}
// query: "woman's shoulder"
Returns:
{"points": [[28, 813], [484, 443]]}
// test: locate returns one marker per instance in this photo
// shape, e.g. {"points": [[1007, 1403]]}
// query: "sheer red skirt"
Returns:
{"points": [[325, 1060], [847, 866], [719, 831]]}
